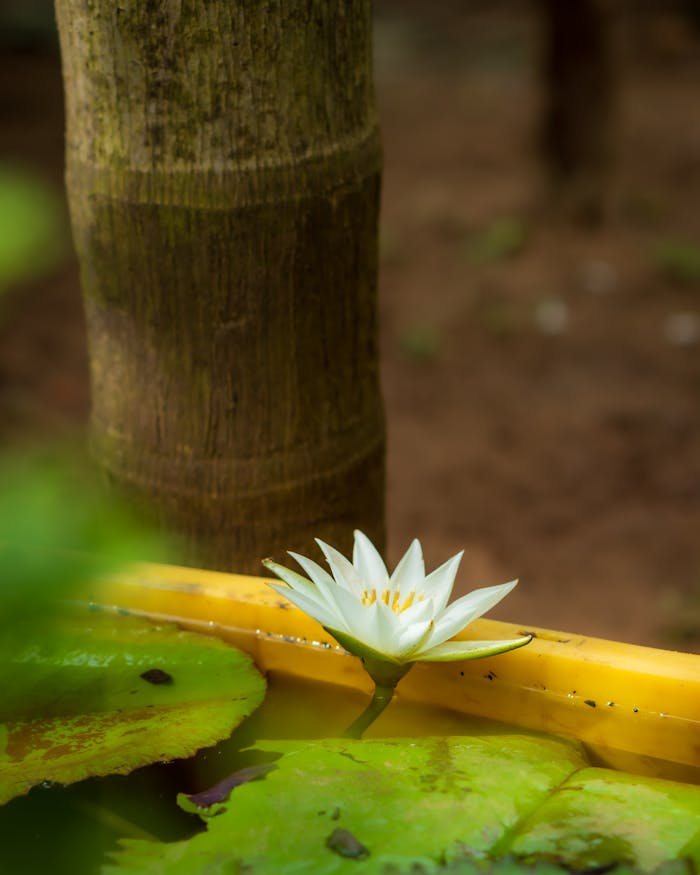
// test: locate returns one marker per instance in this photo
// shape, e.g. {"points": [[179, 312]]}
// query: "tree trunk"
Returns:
{"points": [[578, 119], [223, 170]]}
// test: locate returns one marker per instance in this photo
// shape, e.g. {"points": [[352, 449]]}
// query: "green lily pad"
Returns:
{"points": [[103, 693], [403, 801], [430, 805], [599, 817], [515, 866]]}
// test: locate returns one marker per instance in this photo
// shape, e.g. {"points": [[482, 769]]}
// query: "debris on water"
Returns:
{"points": [[221, 791], [156, 676], [344, 843]]}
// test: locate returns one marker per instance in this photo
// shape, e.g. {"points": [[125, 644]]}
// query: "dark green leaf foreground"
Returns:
{"points": [[434, 805], [60, 529], [101, 693]]}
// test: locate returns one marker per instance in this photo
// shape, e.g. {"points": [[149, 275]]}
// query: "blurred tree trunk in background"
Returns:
{"points": [[223, 169], [578, 121]]}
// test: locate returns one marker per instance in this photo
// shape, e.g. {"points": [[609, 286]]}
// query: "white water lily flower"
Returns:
{"points": [[398, 619]]}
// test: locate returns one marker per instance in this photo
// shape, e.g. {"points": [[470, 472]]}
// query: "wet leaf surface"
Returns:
{"points": [[433, 805], [599, 818], [403, 800]]}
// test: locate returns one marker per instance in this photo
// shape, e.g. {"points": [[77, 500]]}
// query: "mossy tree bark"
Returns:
{"points": [[578, 120], [223, 167]]}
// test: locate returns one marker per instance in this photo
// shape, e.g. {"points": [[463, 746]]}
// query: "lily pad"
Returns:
{"points": [[339, 806], [600, 818], [428, 805], [104, 693]]}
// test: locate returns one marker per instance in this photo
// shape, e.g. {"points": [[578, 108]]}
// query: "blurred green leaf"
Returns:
{"points": [[101, 693], [33, 232], [421, 341], [501, 240], [678, 260], [60, 529]]}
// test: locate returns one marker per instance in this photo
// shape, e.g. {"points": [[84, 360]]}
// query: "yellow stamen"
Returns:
{"points": [[391, 599]]}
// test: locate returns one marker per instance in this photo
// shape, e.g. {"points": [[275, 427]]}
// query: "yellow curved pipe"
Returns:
{"points": [[635, 708]]}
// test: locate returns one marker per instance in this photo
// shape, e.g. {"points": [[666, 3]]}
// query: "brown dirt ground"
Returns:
{"points": [[569, 459]]}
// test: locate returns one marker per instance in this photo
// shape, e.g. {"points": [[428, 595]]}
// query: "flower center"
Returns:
{"points": [[391, 599]]}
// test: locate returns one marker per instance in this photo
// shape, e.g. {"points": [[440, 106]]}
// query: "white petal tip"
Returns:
{"points": [[276, 567], [325, 548], [457, 559], [362, 539]]}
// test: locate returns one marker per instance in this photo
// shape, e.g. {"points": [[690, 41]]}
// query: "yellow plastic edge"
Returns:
{"points": [[635, 708]]}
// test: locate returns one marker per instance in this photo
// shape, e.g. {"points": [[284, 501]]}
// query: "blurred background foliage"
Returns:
{"points": [[60, 531], [60, 528], [33, 238]]}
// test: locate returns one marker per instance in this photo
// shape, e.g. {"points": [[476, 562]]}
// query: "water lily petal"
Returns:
{"points": [[438, 584], [380, 628], [412, 638], [351, 609], [295, 580], [325, 583], [409, 574], [451, 651], [359, 647], [342, 569], [313, 607], [369, 564], [460, 613], [365, 609], [418, 612]]}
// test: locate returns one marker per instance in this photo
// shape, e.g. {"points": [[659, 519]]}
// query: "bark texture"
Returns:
{"points": [[578, 120], [223, 167]]}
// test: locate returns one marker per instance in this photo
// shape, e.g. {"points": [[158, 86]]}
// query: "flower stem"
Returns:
{"points": [[381, 698]]}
